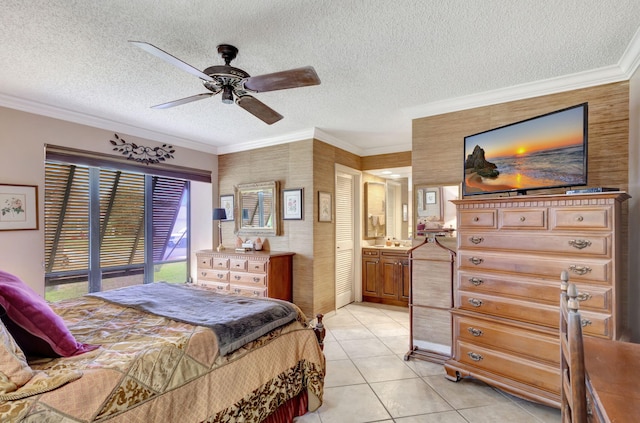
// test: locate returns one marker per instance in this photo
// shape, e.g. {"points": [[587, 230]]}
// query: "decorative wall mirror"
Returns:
{"points": [[374, 210], [257, 208]]}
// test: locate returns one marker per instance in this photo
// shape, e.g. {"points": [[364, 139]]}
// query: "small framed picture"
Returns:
{"points": [[430, 197], [325, 208], [226, 202], [18, 207], [292, 204]]}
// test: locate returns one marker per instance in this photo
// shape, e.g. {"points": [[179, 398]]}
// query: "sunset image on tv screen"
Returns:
{"points": [[543, 152]]}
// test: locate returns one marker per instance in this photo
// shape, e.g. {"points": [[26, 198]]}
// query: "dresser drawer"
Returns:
{"points": [[257, 266], [248, 291], [598, 324], [515, 367], [576, 244], [214, 275], [477, 219], [523, 219], [580, 269], [220, 263], [597, 298], [216, 286], [586, 218], [537, 345], [237, 264], [248, 278], [205, 262]]}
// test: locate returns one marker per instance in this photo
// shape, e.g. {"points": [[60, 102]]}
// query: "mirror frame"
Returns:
{"points": [[258, 186]]}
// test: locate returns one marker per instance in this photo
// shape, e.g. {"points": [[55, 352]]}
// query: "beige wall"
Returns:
{"points": [[609, 144], [22, 142]]}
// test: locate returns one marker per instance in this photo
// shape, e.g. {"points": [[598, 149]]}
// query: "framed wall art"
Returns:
{"points": [[324, 207], [226, 203], [18, 207], [292, 204]]}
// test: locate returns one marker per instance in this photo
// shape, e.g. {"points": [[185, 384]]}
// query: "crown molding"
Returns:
{"points": [[100, 123], [576, 81], [267, 142]]}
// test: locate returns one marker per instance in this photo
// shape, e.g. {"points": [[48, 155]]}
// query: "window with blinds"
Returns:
{"points": [[76, 196]]}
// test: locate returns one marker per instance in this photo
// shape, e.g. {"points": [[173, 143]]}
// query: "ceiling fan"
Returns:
{"points": [[236, 84]]}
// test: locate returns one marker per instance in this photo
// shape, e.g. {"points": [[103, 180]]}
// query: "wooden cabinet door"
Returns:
{"points": [[389, 268], [370, 275], [405, 280]]}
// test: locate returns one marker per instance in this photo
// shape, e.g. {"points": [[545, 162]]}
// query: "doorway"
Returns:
{"points": [[347, 256]]}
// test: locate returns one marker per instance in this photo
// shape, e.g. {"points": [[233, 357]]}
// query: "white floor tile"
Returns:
{"points": [[409, 397], [384, 368], [352, 404], [359, 348], [341, 373]]}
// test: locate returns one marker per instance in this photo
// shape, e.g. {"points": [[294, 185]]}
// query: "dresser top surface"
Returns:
{"points": [[247, 254], [614, 195]]}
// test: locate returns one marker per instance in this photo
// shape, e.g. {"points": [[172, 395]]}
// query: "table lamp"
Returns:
{"points": [[219, 215]]}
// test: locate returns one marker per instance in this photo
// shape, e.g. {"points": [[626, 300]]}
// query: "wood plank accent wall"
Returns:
{"points": [[608, 141], [383, 161]]}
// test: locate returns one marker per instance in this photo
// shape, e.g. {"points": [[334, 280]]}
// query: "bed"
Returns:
{"points": [[123, 363]]}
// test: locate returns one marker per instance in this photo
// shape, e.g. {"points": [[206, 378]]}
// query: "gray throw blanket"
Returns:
{"points": [[234, 319]]}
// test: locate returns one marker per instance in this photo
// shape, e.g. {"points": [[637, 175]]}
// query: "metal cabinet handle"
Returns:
{"points": [[476, 218], [580, 270], [237, 277], [236, 290], [220, 288], [585, 322], [583, 296], [580, 243], [476, 281], [256, 280], [220, 275], [475, 332], [522, 218], [475, 302], [579, 218], [476, 260], [476, 239], [256, 293], [203, 273], [474, 356], [256, 267]]}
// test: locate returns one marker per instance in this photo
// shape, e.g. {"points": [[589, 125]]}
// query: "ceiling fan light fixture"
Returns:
{"points": [[227, 94]]}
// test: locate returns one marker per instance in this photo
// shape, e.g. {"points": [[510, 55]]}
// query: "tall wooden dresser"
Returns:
{"points": [[254, 273], [511, 251]]}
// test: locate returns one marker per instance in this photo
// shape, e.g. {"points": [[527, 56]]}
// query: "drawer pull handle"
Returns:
{"points": [[475, 302], [256, 267], [579, 218], [583, 296], [476, 260], [256, 280], [474, 356], [238, 265], [580, 243], [475, 332], [256, 293], [236, 290], [220, 288], [475, 219], [586, 322], [203, 273], [476, 281], [476, 239], [579, 270], [522, 218], [220, 275], [237, 277]]}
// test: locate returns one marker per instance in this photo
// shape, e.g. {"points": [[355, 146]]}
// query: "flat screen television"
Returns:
{"points": [[547, 151]]}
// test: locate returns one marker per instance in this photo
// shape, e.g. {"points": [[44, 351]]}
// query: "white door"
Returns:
{"points": [[345, 238]]}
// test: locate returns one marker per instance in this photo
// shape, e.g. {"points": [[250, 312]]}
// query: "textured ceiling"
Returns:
{"points": [[381, 63]]}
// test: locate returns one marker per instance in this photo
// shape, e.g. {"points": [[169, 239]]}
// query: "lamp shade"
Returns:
{"points": [[219, 214]]}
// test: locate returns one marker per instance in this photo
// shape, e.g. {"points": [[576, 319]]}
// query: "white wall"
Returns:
{"points": [[22, 140], [634, 202]]}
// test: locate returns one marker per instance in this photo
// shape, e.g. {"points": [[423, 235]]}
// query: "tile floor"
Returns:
{"points": [[368, 381]]}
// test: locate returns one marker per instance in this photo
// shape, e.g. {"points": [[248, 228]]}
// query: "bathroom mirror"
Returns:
{"points": [[375, 210], [257, 208], [398, 215]]}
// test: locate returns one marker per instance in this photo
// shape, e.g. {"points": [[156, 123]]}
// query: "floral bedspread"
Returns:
{"points": [[153, 369]]}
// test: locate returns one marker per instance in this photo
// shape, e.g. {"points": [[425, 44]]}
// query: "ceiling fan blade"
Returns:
{"points": [[293, 78], [258, 109], [182, 101], [150, 48]]}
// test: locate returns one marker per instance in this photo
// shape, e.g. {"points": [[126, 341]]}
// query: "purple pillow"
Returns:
{"points": [[33, 324]]}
